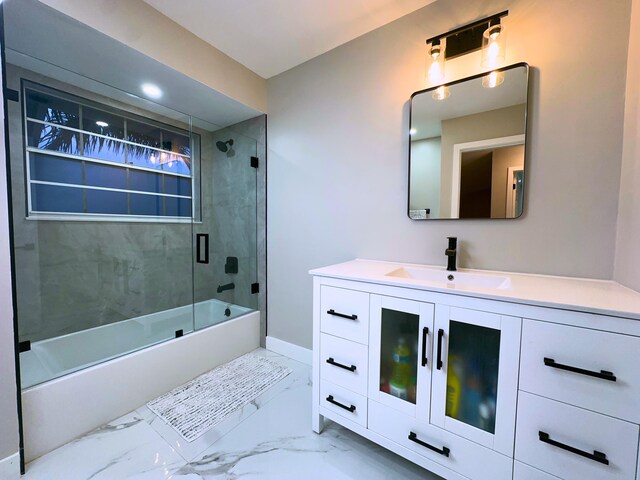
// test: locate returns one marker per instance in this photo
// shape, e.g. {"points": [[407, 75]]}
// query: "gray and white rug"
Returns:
{"points": [[195, 407]]}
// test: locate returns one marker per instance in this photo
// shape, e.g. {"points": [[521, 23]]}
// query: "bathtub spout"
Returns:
{"points": [[228, 286]]}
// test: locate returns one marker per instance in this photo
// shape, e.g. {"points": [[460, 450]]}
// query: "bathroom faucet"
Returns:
{"points": [[451, 253], [228, 286]]}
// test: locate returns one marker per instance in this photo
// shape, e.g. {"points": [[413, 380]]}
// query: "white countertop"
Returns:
{"points": [[604, 297]]}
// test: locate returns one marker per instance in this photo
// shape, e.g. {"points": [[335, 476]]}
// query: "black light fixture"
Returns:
{"points": [[486, 34]]}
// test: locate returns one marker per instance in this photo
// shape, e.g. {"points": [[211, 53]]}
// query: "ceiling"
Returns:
{"points": [[272, 36], [64, 49]]}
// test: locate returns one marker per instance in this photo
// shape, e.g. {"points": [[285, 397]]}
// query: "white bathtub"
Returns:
{"points": [[58, 356], [85, 379]]}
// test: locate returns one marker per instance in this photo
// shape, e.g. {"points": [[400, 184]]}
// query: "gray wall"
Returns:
{"points": [[338, 151], [627, 270], [8, 407]]}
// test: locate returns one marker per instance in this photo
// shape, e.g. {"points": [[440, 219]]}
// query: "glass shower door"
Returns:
{"points": [[102, 211], [225, 239]]}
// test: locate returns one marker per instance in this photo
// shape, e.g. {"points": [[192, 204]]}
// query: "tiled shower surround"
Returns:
{"points": [[74, 275]]}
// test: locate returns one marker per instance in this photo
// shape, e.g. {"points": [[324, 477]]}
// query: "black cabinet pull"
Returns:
{"points": [[200, 239], [595, 456], [442, 451], [330, 399], [439, 361], [342, 315], [425, 333], [603, 374], [331, 361]]}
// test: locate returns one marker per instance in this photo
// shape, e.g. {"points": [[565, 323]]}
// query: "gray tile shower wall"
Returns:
{"points": [[236, 218]]}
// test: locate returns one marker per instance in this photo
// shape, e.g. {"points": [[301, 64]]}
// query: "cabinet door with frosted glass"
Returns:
{"points": [[475, 375], [400, 354]]}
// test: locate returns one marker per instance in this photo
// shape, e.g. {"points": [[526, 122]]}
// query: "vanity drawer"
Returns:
{"points": [[344, 363], [343, 402], [345, 313], [465, 457], [589, 351], [568, 427]]}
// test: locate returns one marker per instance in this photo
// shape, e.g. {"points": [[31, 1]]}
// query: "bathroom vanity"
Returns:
{"points": [[481, 375]]}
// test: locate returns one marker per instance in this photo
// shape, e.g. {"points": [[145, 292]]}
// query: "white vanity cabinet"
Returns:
{"points": [[475, 388]]}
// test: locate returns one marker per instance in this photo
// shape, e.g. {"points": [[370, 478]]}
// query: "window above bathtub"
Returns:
{"points": [[90, 161]]}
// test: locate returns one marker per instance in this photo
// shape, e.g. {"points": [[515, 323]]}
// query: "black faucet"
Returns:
{"points": [[228, 286], [451, 253]]}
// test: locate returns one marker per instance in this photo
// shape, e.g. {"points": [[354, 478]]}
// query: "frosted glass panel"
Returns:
{"points": [[472, 375], [399, 354]]}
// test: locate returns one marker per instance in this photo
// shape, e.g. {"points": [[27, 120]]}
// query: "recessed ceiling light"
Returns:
{"points": [[412, 131], [151, 90], [102, 124]]}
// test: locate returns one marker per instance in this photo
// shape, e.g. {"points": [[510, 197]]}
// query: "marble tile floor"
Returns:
{"points": [[270, 438]]}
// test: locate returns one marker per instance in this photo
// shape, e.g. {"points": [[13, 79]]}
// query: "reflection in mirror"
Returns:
{"points": [[467, 153]]}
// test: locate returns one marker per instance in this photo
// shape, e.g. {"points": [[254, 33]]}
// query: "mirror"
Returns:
{"points": [[467, 147]]}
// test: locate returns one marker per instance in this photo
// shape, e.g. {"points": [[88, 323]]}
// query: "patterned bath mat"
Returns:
{"points": [[204, 402]]}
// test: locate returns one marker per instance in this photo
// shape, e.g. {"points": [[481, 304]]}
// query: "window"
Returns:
{"points": [[96, 162]]}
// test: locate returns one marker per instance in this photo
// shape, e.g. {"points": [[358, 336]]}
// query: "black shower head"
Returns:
{"points": [[224, 146]]}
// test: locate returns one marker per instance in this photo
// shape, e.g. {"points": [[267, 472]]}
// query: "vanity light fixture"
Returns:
{"points": [[486, 34], [435, 69], [494, 44]]}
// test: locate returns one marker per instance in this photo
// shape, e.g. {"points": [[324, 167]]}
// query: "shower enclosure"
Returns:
{"points": [[133, 223]]}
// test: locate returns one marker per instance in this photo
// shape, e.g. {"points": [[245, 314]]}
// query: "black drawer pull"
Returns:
{"points": [[425, 332], [342, 315], [595, 456], [603, 374], [443, 451], [439, 360], [330, 399], [331, 361]]}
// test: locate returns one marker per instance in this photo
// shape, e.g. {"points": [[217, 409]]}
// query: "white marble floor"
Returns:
{"points": [[271, 438]]}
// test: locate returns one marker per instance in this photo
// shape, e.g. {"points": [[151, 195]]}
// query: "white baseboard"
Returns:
{"points": [[10, 467], [296, 352]]}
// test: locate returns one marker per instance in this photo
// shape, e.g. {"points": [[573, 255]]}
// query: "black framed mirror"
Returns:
{"points": [[467, 152]]}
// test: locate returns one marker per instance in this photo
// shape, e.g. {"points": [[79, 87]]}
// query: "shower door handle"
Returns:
{"points": [[202, 247]]}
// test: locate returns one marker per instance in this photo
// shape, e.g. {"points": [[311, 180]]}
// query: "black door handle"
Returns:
{"points": [[439, 360], [199, 248], [342, 315], [331, 361], [595, 456], [425, 333], [603, 374], [330, 399], [442, 451]]}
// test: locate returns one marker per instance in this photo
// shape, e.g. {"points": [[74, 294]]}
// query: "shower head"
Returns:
{"points": [[224, 146]]}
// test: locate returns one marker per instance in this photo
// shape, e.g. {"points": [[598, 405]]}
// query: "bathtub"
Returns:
{"points": [[58, 356], [77, 382]]}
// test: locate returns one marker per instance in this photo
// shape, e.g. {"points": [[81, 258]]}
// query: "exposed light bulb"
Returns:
{"points": [[435, 63], [493, 46]]}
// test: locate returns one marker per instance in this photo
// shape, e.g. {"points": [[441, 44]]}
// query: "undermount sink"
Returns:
{"points": [[452, 279]]}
